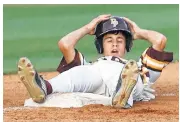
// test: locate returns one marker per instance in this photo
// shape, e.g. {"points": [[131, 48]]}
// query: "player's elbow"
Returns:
{"points": [[63, 45], [161, 42]]}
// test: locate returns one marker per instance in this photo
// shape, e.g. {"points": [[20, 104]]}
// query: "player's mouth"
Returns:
{"points": [[114, 52]]}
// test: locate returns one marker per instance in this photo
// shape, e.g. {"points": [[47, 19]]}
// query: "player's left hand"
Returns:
{"points": [[135, 29]]}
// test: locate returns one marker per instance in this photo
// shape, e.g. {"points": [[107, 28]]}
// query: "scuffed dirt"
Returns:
{"points": [[164, 108]]}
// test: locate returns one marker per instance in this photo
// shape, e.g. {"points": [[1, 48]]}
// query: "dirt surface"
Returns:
{"points": [[164, 108]]}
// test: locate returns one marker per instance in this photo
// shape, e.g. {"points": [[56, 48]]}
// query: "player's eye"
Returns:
{"points": [[119, 40], [109, 40]]}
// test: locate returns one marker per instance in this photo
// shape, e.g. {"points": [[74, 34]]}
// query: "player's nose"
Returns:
{"points": [[114, 44]]}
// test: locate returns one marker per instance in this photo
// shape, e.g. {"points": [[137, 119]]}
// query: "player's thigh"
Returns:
{"points": [[85, 78]]}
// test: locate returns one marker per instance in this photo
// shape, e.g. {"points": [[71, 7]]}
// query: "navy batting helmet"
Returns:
{"points": [[110, 25]]}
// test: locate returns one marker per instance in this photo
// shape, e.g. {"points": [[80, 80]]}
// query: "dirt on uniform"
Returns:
{"points": [[164, 108]]}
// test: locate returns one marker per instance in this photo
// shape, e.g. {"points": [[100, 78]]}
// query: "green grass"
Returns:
{"points": [[34, 30]]}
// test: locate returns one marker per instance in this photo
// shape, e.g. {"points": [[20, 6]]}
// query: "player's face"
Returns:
{"points": [[114, 45]]}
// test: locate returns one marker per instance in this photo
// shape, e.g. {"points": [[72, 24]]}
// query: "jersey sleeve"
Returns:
{"points": [[78, 60], [152, 62]]}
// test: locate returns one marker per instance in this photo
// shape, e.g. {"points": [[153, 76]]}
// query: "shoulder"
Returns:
{"points": [[155, 60], [79, 59]]}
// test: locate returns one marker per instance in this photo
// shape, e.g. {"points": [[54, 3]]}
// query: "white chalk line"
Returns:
{"points": [[17, 108], [166, 94]]}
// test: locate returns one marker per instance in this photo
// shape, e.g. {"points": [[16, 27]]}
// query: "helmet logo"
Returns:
{"points": [[114, 22]]}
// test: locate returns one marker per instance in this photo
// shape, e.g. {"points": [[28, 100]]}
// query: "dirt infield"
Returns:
{"points": [[164, 108]]}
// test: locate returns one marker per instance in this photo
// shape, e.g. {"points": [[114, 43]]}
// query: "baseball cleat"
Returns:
{"points": [[128, 77], [34, 83]]}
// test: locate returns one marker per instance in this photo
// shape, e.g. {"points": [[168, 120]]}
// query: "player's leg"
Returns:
{"points": [[83, 78], [123, 96], [34, 83], [77, 79]]}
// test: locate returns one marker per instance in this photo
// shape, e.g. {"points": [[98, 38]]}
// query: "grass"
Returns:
{"points": [[34, 30]]}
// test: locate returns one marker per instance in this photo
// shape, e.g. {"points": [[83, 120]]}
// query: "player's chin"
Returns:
{"points": [[116, 54]]}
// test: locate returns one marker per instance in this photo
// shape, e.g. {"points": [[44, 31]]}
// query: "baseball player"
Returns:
{"points": [[125, 81]]}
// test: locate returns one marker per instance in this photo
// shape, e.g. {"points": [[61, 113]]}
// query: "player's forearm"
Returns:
{"points": [[70, 40], [157, 39]]}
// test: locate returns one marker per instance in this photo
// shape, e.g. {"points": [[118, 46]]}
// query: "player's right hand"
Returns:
{"points": [[92, 25]]}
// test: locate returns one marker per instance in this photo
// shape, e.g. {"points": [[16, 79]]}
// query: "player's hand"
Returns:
{"points": [[92, 25], [135, 29]]}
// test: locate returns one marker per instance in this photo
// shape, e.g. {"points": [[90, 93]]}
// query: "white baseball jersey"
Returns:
{"points": [[101, 77]]}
